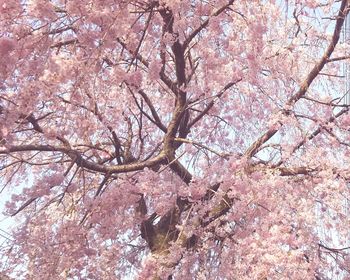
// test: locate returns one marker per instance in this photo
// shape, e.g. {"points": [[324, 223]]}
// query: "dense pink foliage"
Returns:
{"points": [[175, 139]]}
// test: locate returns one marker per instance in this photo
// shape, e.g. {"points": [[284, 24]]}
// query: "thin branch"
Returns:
{"points": [[211, 103], [205, 23], [315, 133], [153, 111], [182, 140]]}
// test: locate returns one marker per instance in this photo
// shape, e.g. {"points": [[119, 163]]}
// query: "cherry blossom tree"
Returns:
{"points": [[175, 139]]}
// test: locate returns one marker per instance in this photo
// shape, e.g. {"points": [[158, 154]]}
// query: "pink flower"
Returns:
{"points": [[154, 69], [7, 45], [135, 79]]}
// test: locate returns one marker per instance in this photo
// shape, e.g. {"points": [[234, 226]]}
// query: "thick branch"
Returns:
{"points": [[80, 161]]}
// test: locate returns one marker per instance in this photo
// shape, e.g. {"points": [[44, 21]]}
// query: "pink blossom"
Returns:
{"points": [[114, 171], [7, 45]]}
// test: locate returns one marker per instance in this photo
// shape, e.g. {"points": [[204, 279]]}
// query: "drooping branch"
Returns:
{"points": [[274, 128], [314, 133], [195, 143], [95, 111], [205, 23], [326, 56], [212, 103]]}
